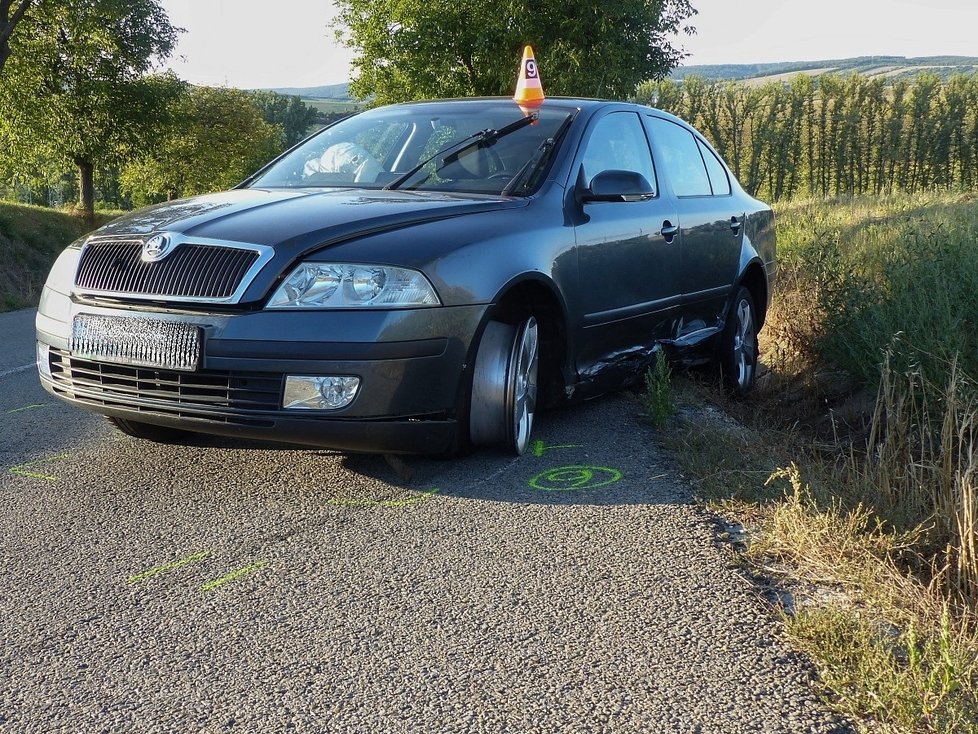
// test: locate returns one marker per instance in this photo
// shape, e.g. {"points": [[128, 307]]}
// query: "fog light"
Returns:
{"points": [[319, 392], [44, 359]]}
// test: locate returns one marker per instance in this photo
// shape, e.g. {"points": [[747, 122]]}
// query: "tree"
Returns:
{"points": [[75, 84], [415, 49], [288, 112], [215, 137], [10, 16]]}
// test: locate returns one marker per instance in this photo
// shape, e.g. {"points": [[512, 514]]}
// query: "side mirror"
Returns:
{"points": [[615, 185]]}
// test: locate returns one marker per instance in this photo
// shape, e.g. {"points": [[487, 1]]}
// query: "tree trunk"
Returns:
{"points": [[8, 21], [86, 196]]}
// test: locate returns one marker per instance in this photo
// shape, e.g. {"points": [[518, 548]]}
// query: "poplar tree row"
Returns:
{"points": [[834, 135]]}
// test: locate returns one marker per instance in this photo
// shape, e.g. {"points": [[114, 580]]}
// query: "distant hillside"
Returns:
{"points": [[887, 66], [329, 91]]}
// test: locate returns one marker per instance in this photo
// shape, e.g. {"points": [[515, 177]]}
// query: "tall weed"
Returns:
{"points": [[859, 273]]}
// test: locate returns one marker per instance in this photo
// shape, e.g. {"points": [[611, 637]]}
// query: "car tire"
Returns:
{"points": [[503, 398], [738, 345], [149, 432]]}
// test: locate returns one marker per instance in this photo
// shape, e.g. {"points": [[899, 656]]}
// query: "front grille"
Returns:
{"points": [[191, 271], [200, 394]]}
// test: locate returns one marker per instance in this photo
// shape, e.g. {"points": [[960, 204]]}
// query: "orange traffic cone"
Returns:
{"points": [[529, 91]]}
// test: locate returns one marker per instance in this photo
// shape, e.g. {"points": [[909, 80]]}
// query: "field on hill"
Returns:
{"points": [[331, 106], [870, 66]]}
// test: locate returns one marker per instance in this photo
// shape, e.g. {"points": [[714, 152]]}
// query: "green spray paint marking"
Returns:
{"points": [[340, 502], [540, 448], [22, 471], [568, 478], [28, 407], [211, 585], [199, 555]]}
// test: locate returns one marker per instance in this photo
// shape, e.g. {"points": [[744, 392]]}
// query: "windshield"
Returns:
{"points": [[468, 146]]}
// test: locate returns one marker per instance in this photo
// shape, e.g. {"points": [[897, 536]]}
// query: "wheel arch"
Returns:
{"points": [[754, 279], [539, 297]]}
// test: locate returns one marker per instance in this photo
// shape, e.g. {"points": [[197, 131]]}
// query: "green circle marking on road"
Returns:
{"points": [[569, 478]]}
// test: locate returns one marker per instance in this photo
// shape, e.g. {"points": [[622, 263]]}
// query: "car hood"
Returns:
{"points": [[298, 222], [295, 221]]}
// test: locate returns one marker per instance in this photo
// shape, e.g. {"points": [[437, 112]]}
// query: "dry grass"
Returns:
{"points": [[869, 407]]}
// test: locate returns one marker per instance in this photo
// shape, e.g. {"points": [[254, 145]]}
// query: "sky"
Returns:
{"points": [[287, 43]]}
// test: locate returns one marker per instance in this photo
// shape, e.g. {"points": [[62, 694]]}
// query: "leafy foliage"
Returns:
{"points": [[10, 15], [215, 137], [289, 112], [416, 49], [835, 135], [74, 89]]}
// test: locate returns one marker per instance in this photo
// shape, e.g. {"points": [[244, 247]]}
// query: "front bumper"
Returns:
{"points": [[410, 363]]}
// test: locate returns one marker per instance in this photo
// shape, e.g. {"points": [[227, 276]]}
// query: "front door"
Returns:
{"points": [[628, 254]]}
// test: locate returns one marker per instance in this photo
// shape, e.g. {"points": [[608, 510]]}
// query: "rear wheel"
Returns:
{"points": [[149, 432], [504, 385], [738, 345]]}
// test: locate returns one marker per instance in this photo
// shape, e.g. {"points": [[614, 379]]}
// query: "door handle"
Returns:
{"points": [[668, 231], [734, 225]]}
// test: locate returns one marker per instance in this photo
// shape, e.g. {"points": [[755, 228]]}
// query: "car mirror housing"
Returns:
{"points": [[616, 185]]}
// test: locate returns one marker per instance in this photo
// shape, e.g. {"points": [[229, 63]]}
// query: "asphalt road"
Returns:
{"points": [[233, 587]]}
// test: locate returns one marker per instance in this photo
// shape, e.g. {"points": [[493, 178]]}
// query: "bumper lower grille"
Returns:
{"points": [[192, 271], [204, 394]]}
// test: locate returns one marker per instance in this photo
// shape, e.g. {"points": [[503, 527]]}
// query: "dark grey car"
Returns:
{"points": [[416, 278]]}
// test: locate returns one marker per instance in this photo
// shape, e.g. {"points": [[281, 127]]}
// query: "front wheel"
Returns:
{"points": [[738, 345], [504, 385]]}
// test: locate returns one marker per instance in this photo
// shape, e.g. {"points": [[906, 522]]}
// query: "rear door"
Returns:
{"points": [[711, 225]]}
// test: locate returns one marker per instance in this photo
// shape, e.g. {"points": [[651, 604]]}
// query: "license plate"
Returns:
{"points": [[137, 341]]}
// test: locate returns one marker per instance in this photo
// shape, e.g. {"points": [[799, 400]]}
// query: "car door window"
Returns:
{"points": [[679, 154], [618, 142], [718, 174]]}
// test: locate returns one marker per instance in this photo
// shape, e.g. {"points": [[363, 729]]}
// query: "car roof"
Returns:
{"points": [[581, 102], [588, 104]]}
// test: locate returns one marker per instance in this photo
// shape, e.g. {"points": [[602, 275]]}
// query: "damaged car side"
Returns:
{"points": [[418, 278]]}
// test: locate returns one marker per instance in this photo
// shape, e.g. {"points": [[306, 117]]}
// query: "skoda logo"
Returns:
{"points": [[156, 248]]}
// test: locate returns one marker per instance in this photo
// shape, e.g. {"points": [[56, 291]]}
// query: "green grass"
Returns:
{"points": [[657, 399], [893, 273], [30, 239]]}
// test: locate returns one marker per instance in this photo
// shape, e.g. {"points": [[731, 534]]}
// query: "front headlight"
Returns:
{"points": [[350, 285]]}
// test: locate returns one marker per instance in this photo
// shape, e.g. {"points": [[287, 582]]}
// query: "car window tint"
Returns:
{"points": [[716, 171], [679, 154], [618, 142]]}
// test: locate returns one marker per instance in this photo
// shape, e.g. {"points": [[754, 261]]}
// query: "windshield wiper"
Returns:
{"points": [[538, 161], [451, 152]]}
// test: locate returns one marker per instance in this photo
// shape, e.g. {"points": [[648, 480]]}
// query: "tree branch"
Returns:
{"points": [[8, 23]]}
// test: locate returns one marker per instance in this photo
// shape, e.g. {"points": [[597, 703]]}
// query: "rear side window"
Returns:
{"points": [[679, 155], [718, 175]]}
